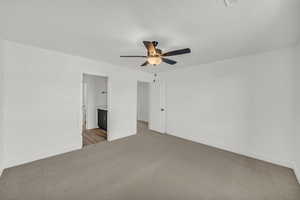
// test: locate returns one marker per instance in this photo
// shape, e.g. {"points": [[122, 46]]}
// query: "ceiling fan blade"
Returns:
{"points": [[169, 61], [133, 56], [144, 64], [177, 52]]}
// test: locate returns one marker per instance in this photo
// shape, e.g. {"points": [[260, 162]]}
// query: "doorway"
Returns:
{"points": [[143, 103], [94, 109]]}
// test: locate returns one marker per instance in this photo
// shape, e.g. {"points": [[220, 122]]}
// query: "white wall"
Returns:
{"points": [[90, 101], [42, 104], [244, 105], [143, 101], [1, 107], [297, 114], [101, 86], [95, 98], [122, 106]]}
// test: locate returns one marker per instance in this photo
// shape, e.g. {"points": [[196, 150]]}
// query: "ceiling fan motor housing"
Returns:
{"points": [[159, 51], [155, 43]]}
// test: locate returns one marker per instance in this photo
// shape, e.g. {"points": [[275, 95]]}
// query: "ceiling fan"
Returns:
{"points": [[155, 55]]}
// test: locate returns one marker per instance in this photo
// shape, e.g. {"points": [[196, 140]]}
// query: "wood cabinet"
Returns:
{"points": [[102, 119]]}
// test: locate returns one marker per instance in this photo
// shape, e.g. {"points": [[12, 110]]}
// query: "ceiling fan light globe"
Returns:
{"points": [[155, 60]]}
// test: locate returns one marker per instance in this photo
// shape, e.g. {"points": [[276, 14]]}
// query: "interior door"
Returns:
{"points": [[157, 118]]}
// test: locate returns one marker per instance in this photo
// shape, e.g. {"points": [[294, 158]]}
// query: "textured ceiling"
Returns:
{"points": [[103, 30]]}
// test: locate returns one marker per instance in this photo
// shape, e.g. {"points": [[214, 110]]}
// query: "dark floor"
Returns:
{"points": [[149, 166]]}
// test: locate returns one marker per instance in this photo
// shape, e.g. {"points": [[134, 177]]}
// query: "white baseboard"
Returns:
{"points": [[111, 138], [61, 151], [284, 163]]}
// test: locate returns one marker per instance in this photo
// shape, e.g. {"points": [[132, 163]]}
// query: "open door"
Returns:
{"points": [[157, 111]]}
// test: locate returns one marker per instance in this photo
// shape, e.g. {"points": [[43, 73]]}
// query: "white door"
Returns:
{"points": [[157, 111]]}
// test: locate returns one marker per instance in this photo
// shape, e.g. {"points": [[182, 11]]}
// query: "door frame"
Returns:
{"points": [[84, 106], [81, 101]]}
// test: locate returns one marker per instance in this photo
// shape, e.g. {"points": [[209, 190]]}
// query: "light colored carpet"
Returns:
{"points": [[149, 166]]}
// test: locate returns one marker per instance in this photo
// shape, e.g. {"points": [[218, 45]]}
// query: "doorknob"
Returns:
{"points": [[162, 109]]}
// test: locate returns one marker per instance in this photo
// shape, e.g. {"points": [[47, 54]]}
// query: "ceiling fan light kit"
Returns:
{"points": [[155, 56], [154, 60]]}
